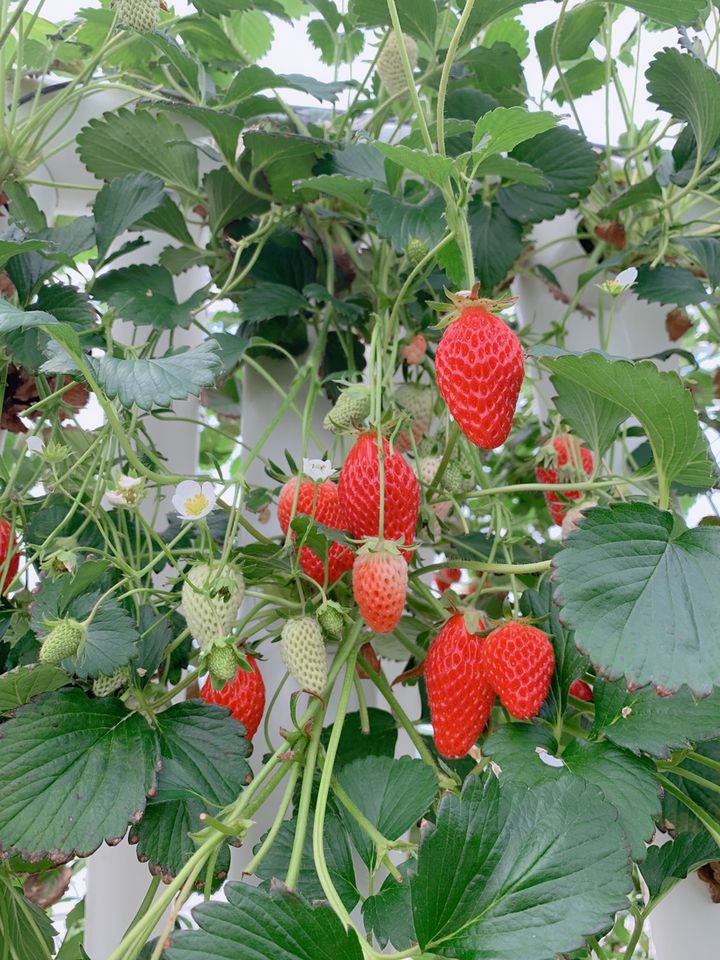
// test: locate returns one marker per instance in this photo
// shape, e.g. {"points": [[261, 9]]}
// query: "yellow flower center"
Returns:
{"points": [[195, 505]]}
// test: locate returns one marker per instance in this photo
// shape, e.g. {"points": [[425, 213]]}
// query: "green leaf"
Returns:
{"points": [[355, 745], [24, 683], [337, 853], [388, 914], [706, 250], [570, 664], [419, 18], [67, 304], [688, 89], [510, 31], [431, 166], [647, 610], [704, 795], [362, 161], [584, 77], [284, 157], [121, 202], [578, 28], [124, 142], [401, 222], [569, 165], [202, 752], [497, 71], [393, 795], [268, 300], [673, 861], [168, 218], [225, 128], [666, 284], [11, 248], [254, 923], [158, 381], [497, 857], [504, 128], [643, 722], [595, 419], [350, 190], [227, 201], [642, 192], [657, 399], [509, 169], [144, 294], [683, 13], [12, 318], [111, 638], [26, 931], [75, 772], [496, 242], [626, 782]]}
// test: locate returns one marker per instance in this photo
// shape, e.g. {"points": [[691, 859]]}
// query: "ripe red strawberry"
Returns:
{"points": [[321, 501], [563, 460], [519, 663], [479, 367], [8, 544], [459, 694], [445, 577], [581, 690], [245, 696], [380, 580], [359, 488]]}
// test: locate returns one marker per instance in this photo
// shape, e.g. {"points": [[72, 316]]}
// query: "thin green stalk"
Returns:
{"points": [[380, 681], [321, 866], [303, 813], [445, 75], [277, 822]]}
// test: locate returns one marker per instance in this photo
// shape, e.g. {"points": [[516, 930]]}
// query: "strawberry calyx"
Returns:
{"points": [[463, 300]]}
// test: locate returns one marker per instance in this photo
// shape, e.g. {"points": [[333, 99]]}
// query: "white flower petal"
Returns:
{"points": [[626, 278], [317, 469], [187, 488], [35, 444], [548, 759], [128, 483]]}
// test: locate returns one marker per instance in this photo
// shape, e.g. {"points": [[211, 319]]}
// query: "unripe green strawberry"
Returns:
{"points": [[417, 402], [416, 250], [455, 480], [303, 653], [139, 15], [211, 596], [390, 66], [63, 641], [351, 408], [222, 662], [104, 686], [330, 618]]}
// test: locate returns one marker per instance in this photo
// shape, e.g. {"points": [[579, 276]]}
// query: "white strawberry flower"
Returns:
{"points": [[317, 470], [128, 492], [193, 500], [35, 444], [622, 282]]}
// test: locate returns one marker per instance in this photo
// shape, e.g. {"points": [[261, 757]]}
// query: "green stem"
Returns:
{"points": [[277, 822], [445, 75], [636, 934], [382, 844], [303, 814], [384, 687], [321, 866]]}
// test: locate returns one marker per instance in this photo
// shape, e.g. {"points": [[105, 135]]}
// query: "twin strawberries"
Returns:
{"points": [[464, 673]]}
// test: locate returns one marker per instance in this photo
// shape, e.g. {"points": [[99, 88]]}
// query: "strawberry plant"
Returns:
{"points": [[421, 649]]}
